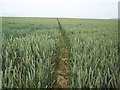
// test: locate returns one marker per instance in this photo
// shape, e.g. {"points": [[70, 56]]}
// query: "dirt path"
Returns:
{"points": [[62, 68]]}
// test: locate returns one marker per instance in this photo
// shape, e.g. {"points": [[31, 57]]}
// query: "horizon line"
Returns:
{"points": [[61, 17]]}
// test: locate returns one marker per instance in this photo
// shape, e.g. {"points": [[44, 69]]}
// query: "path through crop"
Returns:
{"points": [[62, 67]]}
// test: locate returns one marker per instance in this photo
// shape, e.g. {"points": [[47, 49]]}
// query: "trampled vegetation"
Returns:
{"points": [[33, 47]]}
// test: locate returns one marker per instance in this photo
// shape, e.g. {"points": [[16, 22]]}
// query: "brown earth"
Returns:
{"points": [[62, 68]]}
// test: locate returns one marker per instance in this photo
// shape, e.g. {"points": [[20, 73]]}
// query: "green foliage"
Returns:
{"points": [[94, 50], [27, 59], [30, 46]]}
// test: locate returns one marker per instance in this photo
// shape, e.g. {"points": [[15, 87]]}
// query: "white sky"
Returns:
{"points": [[60, 8]]}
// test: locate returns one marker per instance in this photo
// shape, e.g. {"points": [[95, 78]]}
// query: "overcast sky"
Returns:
{"points": [[60, 8]]}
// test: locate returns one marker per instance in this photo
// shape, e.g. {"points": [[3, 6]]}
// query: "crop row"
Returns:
{"points": [[27, 61]]}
